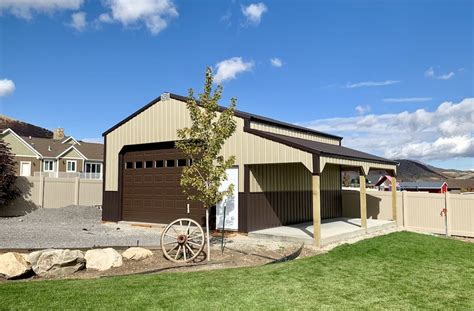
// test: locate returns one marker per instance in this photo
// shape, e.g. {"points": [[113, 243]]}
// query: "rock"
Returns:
{"points": [[13, 265], [102, 259], [59, 262], [33, 257], [137, 253]]}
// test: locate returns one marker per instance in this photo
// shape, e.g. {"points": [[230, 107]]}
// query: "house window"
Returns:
{"points": [[48, 166], [94, 167], [71, 166]]}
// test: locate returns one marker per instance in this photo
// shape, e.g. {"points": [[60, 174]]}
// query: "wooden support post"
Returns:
{"points": [[394, 199], [363, 201], [316, 211]]}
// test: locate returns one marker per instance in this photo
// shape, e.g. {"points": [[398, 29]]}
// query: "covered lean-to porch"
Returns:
{"points": [[288, 201]]}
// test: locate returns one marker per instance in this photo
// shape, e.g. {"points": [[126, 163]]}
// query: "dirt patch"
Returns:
{"points": [[239, 251]]}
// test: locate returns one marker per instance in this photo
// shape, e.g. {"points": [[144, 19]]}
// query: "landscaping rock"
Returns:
{"points": [[59, 262], [13, 265], [33, 257], [137, 253], [103, 259]]}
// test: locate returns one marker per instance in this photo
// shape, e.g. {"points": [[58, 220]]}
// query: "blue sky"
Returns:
{"points": [[393, 77]]}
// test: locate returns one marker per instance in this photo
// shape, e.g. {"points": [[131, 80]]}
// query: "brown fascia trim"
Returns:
{"points": [[309, 150], [244, 115]]}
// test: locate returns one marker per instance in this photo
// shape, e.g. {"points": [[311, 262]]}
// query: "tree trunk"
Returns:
{"points": [[208, 236]]}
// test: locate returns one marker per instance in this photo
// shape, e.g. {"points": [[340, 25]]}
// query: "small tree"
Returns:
{"points": [[202, 143], [8, 190]]}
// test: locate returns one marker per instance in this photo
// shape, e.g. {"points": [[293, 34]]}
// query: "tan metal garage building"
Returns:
{"points": [[284, 173]]}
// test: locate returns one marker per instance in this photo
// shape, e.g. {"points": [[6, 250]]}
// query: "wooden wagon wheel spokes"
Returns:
{"points": [[182, 240]]}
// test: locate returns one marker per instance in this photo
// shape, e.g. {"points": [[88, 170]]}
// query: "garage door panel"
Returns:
{"points": [[154, 194]]}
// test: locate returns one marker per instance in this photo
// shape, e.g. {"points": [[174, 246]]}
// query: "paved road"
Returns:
{"points": [[71, 227]]}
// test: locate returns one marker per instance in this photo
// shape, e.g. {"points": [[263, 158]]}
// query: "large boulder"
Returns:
{"points": [[59, 262], [102, 259], [137, 253], [13, 265], [33, 257]]}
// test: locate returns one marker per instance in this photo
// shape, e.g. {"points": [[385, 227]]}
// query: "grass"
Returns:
{"points": [[397, 271]]}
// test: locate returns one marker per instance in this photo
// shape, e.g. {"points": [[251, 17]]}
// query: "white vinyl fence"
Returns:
{"points": [[48, 192], [417, 211]]}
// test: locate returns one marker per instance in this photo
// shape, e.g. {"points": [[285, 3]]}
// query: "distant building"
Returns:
{"points": [[59, 156], [425, 186], [385, 183]]}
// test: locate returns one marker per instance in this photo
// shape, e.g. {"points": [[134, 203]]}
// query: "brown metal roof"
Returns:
{"points": [[51, 148], [321, 148], [238, 113]]}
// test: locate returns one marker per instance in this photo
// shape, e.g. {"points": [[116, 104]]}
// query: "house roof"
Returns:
{"points": [[238, 113], [51, 148], [421, 184], [460, 183], [321, 148]]}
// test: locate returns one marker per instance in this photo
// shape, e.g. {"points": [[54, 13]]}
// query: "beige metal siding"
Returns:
{"points": [[293, 133], [330, 189], [160, 122], [366, 165], [279, 177]]}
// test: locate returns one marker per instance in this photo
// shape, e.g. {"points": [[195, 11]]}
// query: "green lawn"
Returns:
{"points": [[397, 271]]}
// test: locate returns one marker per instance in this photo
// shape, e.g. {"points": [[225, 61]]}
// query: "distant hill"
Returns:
{"points": [[410, 170], [23, 128]]}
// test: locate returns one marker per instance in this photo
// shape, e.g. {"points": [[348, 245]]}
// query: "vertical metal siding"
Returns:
{"points": [[293, 133], [331, 202], [279, 194], [160, 122]]}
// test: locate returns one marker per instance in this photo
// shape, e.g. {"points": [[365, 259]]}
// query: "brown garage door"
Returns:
{"points": [[151, 189]]}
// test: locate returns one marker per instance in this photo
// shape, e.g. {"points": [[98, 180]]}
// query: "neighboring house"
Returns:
{"points": [[283, 173], [60, 156], [424, 186], [385, 183]]}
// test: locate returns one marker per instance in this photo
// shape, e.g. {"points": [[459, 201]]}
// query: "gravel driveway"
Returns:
{"points": [[71, 227]]}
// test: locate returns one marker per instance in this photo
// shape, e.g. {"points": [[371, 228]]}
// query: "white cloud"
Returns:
{"points": [[444, 133], [26, 8], [407, 100], [276, 62], [371, 83], [105, 18], [228, 69], [6, 87], [78, 21], [362, 109], [430, 73], [254, 13], [154, 14]]}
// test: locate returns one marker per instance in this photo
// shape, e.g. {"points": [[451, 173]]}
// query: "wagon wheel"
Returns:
{"points": [[182, 240]]}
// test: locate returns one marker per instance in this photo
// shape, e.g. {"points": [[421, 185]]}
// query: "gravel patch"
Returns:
{"points": [[71, 227]]}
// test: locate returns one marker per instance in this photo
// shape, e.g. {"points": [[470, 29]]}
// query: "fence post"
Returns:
{"points": [[405, 207], [449, 212], [76, 190], [41, 191]]}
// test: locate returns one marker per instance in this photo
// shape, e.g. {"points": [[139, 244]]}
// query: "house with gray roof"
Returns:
{"points": [[59, 156]]}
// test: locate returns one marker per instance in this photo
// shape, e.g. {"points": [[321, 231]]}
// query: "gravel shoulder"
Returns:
{"points": [[71, 227]]}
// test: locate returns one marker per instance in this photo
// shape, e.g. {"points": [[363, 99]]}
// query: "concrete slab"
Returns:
{"points": [[332, 230]]}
